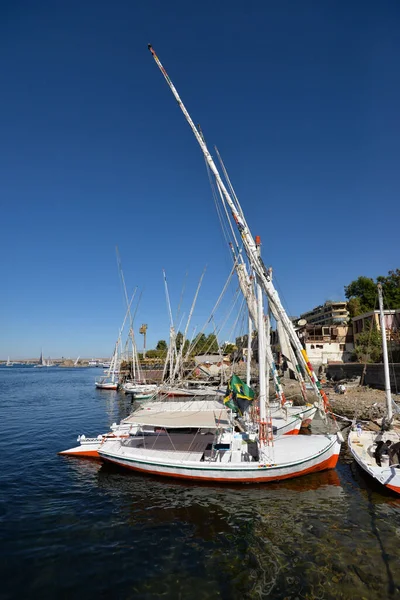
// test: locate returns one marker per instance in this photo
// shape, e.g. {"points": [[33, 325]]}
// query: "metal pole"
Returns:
{"points": [[385, 356], [248, 364], [268, 340]]}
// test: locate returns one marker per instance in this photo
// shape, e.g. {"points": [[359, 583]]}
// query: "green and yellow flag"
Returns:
{"points": [[241, 389], [237, 390]]}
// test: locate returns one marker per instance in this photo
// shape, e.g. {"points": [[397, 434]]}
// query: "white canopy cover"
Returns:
{"points": [[199, 419]]}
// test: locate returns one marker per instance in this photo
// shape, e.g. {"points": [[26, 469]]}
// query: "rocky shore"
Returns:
{"points": [[359, 402]]}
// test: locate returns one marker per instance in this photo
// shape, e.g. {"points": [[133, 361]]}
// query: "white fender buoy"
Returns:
{"points": [[340, 437]]}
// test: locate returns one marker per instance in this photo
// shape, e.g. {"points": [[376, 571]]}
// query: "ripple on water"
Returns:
{"points": [[74, 528]]}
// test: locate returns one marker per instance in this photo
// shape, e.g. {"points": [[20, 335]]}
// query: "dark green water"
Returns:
{"points": [[76, 529]]}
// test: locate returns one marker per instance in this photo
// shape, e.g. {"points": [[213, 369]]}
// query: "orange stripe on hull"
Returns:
{"points": [[394, 488], [106, 387], [330, 463], [84, 454], [292, 432]]}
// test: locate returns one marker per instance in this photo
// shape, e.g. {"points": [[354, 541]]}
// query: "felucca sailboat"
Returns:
{"points": [[206, 445], [42, 362], [110, 380]]}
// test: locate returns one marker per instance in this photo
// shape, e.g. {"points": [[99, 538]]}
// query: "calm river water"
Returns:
{"points": [[79, 529]]}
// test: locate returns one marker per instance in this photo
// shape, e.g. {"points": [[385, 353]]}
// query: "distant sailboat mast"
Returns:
{"points": [[136, 371]]}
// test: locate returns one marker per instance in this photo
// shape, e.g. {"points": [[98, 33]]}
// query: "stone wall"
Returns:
{"points": [[374, 376]]}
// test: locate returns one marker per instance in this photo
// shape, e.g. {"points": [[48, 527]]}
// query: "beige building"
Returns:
{"points": [[326, 343], [330, 313], [364, 321]]}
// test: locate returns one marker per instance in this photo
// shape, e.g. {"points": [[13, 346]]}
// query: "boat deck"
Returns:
{"points": [[174, 447]]}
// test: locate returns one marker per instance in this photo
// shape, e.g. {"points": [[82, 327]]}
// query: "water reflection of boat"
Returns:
{"points": [[190, 503], [315, 534], [308, 483]]}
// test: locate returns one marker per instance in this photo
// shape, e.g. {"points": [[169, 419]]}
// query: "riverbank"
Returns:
{"points": [[360, 402]]}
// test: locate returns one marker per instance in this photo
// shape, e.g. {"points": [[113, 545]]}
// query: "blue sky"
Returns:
{"points": [[300, 98]]}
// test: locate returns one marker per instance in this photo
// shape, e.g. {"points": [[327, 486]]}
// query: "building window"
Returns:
{"points": [[342, 347]]}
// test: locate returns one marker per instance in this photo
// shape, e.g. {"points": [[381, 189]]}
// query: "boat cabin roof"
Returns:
{"points": [[198, 419]]}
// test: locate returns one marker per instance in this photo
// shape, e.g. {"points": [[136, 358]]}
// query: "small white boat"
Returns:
{"points": [[105, 384], [378, 452], [110, 380], [140, 390], [9, 363], [363, 446]]}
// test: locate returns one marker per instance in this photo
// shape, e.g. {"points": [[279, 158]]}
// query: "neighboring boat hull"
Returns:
{"points": [[306, 413], [290, 426], [307, 416], [106, 386], [187, 392], [326, 458], [89, 447], [84, 451], [361, 447], [143, 391]]}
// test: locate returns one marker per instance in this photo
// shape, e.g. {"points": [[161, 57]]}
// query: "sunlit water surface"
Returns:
{"points": [[76, 529]]}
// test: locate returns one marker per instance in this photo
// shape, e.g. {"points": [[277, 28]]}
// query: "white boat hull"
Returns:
{"points": [[294, 457], [106, 385], [289, 426], [146, 390], [306, 413], [187, 392], [362, 448], [89, 447], [142, 396], [88, 450]]}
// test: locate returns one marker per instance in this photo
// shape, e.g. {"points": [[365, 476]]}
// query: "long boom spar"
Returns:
{"points": [[248, 242]]}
